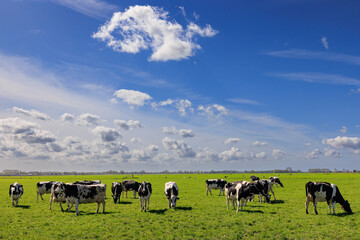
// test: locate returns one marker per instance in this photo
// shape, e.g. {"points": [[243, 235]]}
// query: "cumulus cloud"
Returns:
{"points": [[213, 111], [127, 125], [146, 154], [31, 113], [185, 133], [207, 154], [67, 117], [352, 143], [325, 43], [278, 154], [107, 134], [132, 97], [261, 155], [234, 154], [259, 144], [180, 148], [232, 141], [147, 27], [135, 140], [183, 106], [88, 119], [314, 154], [327, 152]]}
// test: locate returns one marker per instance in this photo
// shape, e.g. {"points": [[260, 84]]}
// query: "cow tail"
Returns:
{"points": [[307, 188]]}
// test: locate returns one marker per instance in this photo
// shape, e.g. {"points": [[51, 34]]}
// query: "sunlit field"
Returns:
{"points": [[197, 216]]}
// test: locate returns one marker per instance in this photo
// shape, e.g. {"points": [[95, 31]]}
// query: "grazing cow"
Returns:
{"points": [[76, 194], [44, 187], [324, 192], [215, 184], [171, 193], [254, 178], [144, 192], [246, 191], [276, 181], [58, 197], [230, 192], [130, 185], [267, 185], [116, 189], [16, 190], [88, 182]]}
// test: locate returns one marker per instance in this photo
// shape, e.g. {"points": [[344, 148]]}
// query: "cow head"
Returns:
{"points": [[16, 189], [346, 207], [143, 187], [58, 188], [173, 200]]}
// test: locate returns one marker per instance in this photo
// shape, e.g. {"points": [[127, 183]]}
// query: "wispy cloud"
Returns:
{"points": [[243, 101], [325, 43], [93, 8], [323, 78], [306, 54]]}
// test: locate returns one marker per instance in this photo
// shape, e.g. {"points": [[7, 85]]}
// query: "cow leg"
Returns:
{"points": [[61, 206], [238, 204], [76, 207], [315, 206], [242, 203], [41, 197], [227, 201], [207, 191], [148, 203], [50, 203], [98, 206], [141, 204], [37, 199], [333, 205], [272, 191], [12, 201], [307, 204], [17, 200], [169, 203], [134, 192], [103, 203]]}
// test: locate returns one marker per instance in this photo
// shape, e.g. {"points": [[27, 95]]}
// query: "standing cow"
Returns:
{"points": [[116, 189], [230, 192], [144, 192], [76, 194], [324, 192], [276, 181], [44, 187], [58, 197], [267, 186], [246, 191], [130, 185], [171, 193], [88, 182], [254, 178], [16, 190], [215, 184]]}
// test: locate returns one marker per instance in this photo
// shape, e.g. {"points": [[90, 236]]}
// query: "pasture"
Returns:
{"points": [[197, 216]]}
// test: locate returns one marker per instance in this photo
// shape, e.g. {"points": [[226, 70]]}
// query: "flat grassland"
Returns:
{"points": [[197, 216]]}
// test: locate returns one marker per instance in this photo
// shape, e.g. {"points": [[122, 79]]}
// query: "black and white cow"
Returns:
{"points": [[254, 178], [144, 192], [130, 185], [215, 184], [76, 194], [44, 187], [324, 192], [16, 190], [116, 189], [58, 197], [171, 193], [246, 191], [267, 186], [88, 182], [276, 181]]}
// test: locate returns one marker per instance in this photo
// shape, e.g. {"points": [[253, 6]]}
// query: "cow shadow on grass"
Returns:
{"points": [[277, 201], [23, 206], [159, 211], [251, 211], [125, 202], [343, 214], [184, 208]]}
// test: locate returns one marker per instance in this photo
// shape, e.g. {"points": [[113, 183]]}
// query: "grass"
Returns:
{"points": [[197, 216]]}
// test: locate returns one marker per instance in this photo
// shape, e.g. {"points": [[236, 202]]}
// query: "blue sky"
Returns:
{"points": [[180, 85]]}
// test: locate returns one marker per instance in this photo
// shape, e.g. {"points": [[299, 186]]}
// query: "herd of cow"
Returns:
{"points": [[240, 191]]}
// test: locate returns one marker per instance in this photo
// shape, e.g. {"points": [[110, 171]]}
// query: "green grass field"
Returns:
{"points": [[197, 216]]}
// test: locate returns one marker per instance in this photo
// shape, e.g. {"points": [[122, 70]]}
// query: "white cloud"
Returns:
{"points": [[314, 154], [207, 154], [87, 119], [127, 125], [106, 134], [328, 152], [184, 106], [143, 27], [259, 144], [185, 133], [343, 129], [31, 113], [135, 140], [67, 117], [352, 143], [278, 154], [91, 8], [232, 141], [213, 111], [132, 97], [234, 154], [180, 148], [261, 155], [325, 43]]}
